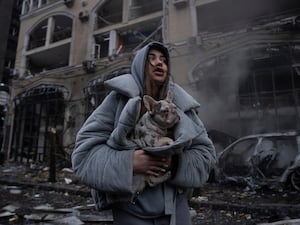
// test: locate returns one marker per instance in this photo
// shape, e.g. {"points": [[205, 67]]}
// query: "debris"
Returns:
{"points": [[214, 203], [14, 190], [10, 208], [35, 217], [68, 180], [96, 218], [200, 199], [7, 171], [193, 213], [6, 214], [248, 216], [45, 207], [37, 195], [67, 170], [88, 206], [14, 218], [283, 222], [70, 220]]}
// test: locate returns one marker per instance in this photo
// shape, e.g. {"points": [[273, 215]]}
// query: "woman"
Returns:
{"points": [[105, 159]]}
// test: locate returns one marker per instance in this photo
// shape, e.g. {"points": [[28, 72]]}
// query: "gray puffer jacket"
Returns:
{"points": [[103, 156]]}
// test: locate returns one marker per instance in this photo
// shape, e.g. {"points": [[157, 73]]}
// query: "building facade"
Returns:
{"points": [[9, 23], [241, 63]]}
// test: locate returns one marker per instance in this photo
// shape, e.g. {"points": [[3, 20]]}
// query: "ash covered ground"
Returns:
{"points": [[24, 191]]}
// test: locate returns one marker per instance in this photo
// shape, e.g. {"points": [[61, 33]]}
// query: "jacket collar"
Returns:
{"points": [[183, 100], [126, 85]]}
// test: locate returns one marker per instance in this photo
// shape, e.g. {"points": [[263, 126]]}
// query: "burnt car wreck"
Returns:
{"points": [[269, 159]]}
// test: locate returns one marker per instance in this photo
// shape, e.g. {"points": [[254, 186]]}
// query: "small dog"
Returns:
{"points": [[152, 130]]}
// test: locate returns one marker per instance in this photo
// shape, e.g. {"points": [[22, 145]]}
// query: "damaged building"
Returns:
{"points": [[240, 60]]}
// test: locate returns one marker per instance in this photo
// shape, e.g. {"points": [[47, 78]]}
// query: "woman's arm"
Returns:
{"points": [[102, 158], [194, 164], [94, 162]]}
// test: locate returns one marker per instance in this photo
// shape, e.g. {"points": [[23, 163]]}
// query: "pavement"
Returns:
{"points": [[38, 176], [27, 197]]}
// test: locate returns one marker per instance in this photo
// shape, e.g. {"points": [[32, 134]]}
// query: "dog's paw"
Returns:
{"points": [[164, 141], [152, 180]]}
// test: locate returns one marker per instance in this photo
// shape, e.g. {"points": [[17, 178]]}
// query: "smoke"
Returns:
{"points": [[219, 79], [218, 87]]}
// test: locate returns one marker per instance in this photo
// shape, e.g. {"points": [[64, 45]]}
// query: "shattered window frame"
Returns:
{"points": [[37, 110], [95, 92], [41, 46]]}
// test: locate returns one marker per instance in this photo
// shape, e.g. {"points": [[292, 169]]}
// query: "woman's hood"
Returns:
{"points": [[139, 61]]}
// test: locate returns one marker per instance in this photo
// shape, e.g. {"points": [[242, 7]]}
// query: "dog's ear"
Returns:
{"points": [[149, 103], [169, 97]]}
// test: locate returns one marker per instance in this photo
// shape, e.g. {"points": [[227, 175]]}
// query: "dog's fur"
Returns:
{"points": [[152, 129]]}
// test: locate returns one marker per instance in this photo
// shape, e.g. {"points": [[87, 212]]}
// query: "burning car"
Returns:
{"points": [[262, 159]]}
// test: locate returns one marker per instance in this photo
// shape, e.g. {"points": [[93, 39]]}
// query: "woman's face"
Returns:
{"points": [[156, 66]]}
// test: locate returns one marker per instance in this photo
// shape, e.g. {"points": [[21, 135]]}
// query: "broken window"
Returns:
{"points": [[109, 13], [36, 110], [126, 39], [262, 91], [26, 7], [41, 59], [29, 5], [140, 8], [236, 160], [95, 91], [271, 87], [101, 46], [136, 36], [244, 14], [59, 26], [37, 37], [62, 28], [35, 4]]}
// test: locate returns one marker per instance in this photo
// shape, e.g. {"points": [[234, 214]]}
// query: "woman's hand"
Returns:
{"points": [[149, 164]]}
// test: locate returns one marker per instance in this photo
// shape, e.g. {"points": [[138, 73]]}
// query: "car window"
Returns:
{"points": [[264, 156], [236, 160], [273, 155], [287, 152]]}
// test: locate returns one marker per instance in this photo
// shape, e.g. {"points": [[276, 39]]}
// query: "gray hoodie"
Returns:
{"points": [[103, 156]]}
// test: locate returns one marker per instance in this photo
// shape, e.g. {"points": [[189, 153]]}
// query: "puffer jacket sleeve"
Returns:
{"points": [[94, 162], [195, 163]]}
